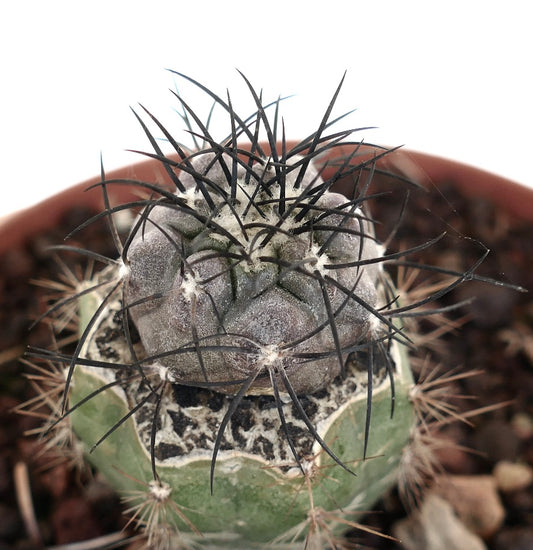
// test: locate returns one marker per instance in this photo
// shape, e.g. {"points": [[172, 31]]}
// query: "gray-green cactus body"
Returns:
{"points": [[260, 495], [245, 271], [241, 377], [258, 295]]}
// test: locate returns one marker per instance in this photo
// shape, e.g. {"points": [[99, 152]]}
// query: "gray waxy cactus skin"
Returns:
{"points": [[248, 285]]}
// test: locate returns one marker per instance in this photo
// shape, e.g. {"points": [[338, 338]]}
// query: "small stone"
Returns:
{"points": [[475, 500], [435, 527], [511, 476], [522, 425]]}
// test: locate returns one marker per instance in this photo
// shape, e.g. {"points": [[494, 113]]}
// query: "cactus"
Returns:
{"points": [[242, 375]]}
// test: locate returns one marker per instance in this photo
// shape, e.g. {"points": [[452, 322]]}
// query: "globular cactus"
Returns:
{"points": [[241, 376], [262, 276]]}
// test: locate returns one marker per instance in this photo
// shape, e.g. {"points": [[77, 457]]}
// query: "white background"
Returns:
{"points": [[452, 78]]}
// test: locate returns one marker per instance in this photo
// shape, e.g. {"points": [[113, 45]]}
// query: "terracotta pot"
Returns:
{"points": [[432, 171], [20, 226]]}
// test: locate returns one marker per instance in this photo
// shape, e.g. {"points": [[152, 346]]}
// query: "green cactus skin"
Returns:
{"points": [[241, 376], [254, 502]]}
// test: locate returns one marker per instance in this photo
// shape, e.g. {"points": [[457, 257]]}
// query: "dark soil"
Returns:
{"points": [[497, 338]]}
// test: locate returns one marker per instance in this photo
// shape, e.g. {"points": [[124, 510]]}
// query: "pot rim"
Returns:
{"points": [[425, 169]]}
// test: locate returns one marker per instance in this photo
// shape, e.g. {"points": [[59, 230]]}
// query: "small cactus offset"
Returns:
{"points": [[241, 376]]}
